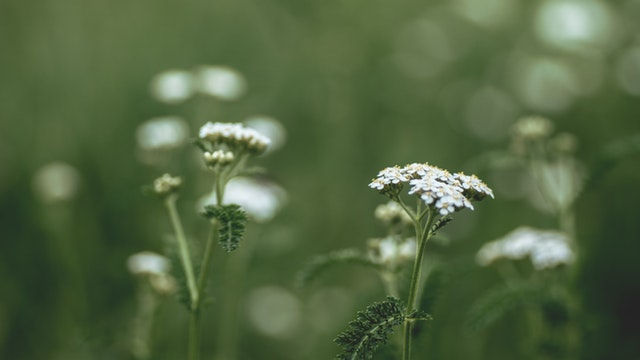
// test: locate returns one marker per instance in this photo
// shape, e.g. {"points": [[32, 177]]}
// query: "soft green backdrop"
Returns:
{"points": [[359, 85]]}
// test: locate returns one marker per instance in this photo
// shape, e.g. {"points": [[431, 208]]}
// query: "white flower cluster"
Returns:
{"points": [[391, 251], [235, 136], [260, 199], [218, 157], [392, 213], [56, 182], [166, 184], [545, 248], [437, 187]]}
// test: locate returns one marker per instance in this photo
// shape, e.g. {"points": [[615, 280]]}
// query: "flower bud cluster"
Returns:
{"points": [[235, 136], [545, 248], [166, 185], [218, 157], [437, 187]]}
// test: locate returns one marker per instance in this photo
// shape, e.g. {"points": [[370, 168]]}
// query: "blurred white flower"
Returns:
{"points": [[392, 213], [57, 181], [172, 86], [274, 311], [260, 199], [148, 263], [162, 133], [574, 25], [269, 127], [545, 248], [166, 184], [221, 82], [391, 250]]}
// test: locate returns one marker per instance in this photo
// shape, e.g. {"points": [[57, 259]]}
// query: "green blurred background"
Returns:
{"points": [[359, 85]]}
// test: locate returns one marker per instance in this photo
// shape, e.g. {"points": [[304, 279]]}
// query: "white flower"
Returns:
{"points": [[545, 248], [437, 187], [392, 213], [391, 250], [148, 263], [221, 82], [261, 200], [57, 181], [162, 133], [234, 135], [166, 184], [172, 86], [388, 178]]}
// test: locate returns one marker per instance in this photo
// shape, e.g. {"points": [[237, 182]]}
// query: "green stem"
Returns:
{"points": [[206, 259], [194, 335], [185, 257], [422, 236]]}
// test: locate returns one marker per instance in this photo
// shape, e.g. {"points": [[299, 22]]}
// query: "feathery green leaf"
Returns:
{"points": [[370, 329], [232, 220]]}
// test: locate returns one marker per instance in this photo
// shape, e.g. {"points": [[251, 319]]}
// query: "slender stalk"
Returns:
{"points": [[206, 259], [422, 236], [194, 335], [185, 256]]}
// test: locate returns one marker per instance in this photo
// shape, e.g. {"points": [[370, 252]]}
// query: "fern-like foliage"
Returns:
{"points": [[497, 302], [323, 262], [370, 329], [232, 221]]}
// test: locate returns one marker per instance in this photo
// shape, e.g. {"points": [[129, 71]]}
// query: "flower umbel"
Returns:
{"points": [[234, 136], [438, 188]]}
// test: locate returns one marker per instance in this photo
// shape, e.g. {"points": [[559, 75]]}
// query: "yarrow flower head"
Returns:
{"points": [[545, 248], [234, 136], [166, 185], [437, 187]]}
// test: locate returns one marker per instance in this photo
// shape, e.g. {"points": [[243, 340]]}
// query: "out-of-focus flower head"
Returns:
{"points": [[221, 82], [166, 185], [532, 128], [172, 86], [392, 214], [437, 187], [391, 250], [155, 268], [545, 248], [259, 198], [163, 133], [56, 181], [270, 128]]}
